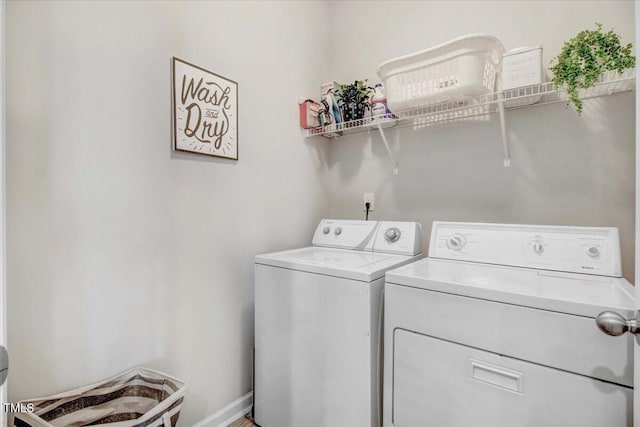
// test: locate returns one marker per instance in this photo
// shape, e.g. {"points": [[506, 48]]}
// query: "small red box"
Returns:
{"points": [[309, 114]]}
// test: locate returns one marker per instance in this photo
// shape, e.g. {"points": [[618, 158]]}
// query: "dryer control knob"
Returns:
{"points": [[392, 235], [326, 230], [456, 242], [593, 252], [538, 248], [338, 231]]}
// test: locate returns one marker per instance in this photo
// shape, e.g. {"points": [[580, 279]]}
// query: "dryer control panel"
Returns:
{"points": [[396, 237], [591, 250]]}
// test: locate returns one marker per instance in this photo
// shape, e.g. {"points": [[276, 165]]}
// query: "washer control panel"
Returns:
{"points": [[592, 250], [398, 237]]}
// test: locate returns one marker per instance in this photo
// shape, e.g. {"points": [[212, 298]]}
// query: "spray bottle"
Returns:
{"points": [[379, 110]]}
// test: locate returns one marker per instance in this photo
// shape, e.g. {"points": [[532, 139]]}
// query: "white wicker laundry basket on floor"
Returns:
{"points": [[138, 397]]}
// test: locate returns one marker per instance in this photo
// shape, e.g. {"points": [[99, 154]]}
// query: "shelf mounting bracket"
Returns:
{"points": [[394, 165], [503, 128]]}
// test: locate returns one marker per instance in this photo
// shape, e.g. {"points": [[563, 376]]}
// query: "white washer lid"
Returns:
{"points": [[571, 293], [349, 264]]}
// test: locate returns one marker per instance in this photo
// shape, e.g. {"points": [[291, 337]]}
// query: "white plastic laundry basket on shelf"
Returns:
{"points": [[461, 68], [138, 397]]}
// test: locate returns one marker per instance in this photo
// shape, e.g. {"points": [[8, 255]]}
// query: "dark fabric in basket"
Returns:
{"points": [[19, 423]]}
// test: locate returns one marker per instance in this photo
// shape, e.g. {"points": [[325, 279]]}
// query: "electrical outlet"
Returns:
{"points": [[368, 198]]}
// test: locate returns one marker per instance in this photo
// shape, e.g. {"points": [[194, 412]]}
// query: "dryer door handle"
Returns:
{"points": [[4, 364], [611, 323]]}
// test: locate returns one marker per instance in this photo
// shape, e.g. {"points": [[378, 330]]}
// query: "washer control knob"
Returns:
{"points": [[392, 235], [538, 248], [337, 231], [593, 252], [456, 242], [326, 230]]}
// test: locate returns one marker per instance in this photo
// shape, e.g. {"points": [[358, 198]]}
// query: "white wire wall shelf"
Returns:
{"points": [[479, 108]]}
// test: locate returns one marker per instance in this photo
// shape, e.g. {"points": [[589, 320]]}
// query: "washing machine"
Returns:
{"points": [[496, 328], [317, 324]]}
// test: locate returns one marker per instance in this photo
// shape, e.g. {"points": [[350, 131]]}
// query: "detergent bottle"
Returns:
{"points": [[379, 107]]}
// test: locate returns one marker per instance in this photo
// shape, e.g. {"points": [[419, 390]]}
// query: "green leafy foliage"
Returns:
{"points": [[353, 99], [585, 57]]}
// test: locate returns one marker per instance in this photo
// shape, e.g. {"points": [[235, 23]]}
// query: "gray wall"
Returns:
{"points": [[121, 252], [565, 169]]}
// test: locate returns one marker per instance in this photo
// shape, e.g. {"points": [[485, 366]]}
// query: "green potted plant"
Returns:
{"points": [[585, 57], [353, 100]]}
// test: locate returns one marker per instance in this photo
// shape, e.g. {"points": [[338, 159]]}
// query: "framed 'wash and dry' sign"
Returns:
{"points": [[205, 111]]}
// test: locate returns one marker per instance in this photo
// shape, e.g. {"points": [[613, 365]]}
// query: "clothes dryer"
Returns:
{"points": [[496, 328]]}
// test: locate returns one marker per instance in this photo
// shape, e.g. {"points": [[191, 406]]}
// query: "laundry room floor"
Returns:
{"points": [[242, 422]]}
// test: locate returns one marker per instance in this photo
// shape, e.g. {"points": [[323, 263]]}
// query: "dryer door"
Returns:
{"points": [[440, 383]]}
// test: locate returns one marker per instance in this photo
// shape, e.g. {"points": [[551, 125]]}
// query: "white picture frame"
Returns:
{"points": [[205, 111]]}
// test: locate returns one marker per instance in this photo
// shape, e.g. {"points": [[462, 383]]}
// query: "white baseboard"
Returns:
{"points": [[230, 413]]}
